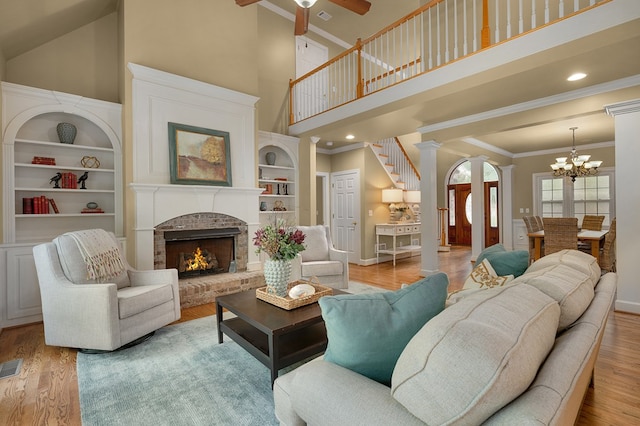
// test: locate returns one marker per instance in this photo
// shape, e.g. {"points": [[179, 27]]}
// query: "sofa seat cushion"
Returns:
{"points": [[571, 288], [367, 332], [315, 243], [476, 356], [133, 300], [574, 259], [322, 267], [505, 262]]}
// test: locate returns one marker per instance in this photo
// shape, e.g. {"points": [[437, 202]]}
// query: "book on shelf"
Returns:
{"points": [[69, 180], [27, 205], [49, 161], [96, 210], [54, 206], [35, 205]]}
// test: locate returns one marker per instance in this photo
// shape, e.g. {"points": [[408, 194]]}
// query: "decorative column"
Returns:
{"points": [[477, 207], [506, 206], [429, 207], [627, 129]]}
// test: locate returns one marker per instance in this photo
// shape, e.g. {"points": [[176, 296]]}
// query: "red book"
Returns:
{"points": [[54, 206], [27, 206]]}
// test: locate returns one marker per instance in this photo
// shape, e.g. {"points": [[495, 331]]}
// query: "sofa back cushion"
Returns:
{"points": [[476, 356], [570, 287], [74, 267], [574, 259], [367, 332]]}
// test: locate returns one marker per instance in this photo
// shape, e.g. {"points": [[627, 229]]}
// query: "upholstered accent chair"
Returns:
{"points": [[85, 313], [320, 259], [560, 233]]}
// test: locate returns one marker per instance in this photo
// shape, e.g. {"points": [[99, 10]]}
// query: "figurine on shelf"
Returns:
{"points": [[56, 180], [82, 179]]}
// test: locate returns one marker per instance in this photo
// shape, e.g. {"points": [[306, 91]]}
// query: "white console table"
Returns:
{"points": [[395, 230]]}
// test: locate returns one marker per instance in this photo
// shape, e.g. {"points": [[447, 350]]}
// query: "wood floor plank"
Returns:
{"points": [[46, 391]]}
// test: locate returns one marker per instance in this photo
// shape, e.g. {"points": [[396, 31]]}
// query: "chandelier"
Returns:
{"points": [[579, 166]]}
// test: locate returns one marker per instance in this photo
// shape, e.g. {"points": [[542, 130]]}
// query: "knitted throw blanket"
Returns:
{"points": [[99, 252]]}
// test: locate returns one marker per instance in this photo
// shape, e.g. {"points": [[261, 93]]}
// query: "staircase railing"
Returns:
{"points": [[437, 33], [402, 165]]}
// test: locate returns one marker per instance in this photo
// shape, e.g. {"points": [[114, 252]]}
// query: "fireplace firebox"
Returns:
{"points": [[200, 251]]}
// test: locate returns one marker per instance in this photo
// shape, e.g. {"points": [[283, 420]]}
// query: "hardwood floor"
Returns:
{"points": [[46, 391]]}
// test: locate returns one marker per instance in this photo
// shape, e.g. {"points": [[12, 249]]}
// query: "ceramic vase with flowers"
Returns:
{"points": [[281, 244]]}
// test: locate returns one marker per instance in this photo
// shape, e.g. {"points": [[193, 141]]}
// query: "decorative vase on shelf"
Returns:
{"points": [[271, 158], [276, 275], [66, 132]]}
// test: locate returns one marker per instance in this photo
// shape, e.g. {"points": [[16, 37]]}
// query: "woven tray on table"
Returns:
{"points": [[287, 302]]}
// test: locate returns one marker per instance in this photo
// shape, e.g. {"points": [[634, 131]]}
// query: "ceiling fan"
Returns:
{"points": [[302, 10]]}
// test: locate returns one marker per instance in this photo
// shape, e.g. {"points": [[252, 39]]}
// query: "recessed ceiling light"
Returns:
{"points": [[329, 143], [349, 137], [576, 76]]}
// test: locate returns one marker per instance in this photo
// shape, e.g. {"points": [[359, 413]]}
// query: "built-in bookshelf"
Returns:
{"points": [[40, 172], [278, 177]]}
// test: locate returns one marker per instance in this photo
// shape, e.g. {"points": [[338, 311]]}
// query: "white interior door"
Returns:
{"points": [[310, 95], [345, 212]]}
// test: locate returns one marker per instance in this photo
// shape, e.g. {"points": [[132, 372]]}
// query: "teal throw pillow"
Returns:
{"points": [[505, 262], [367, 332]]}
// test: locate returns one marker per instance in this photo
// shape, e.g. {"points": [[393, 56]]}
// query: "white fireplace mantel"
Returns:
{"points": [[156, 204]]}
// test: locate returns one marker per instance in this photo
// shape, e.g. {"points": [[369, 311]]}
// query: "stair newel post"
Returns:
{"points": [[291, 106], [360, 85]]}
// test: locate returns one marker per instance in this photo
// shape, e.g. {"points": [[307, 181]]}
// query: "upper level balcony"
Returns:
{"points": [[451, 61]]}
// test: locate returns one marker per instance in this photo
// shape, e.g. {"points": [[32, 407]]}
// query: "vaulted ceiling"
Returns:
{"points": [[26, 24]]}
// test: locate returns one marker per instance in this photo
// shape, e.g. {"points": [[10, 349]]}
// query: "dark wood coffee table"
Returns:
{"points": [[275, 336]]}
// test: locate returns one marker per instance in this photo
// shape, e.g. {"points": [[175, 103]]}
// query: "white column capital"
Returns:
{"points": [[425, 145], [623, 107]]}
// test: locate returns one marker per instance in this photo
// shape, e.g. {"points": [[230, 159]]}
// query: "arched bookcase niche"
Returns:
{"points": [[31, 134]]}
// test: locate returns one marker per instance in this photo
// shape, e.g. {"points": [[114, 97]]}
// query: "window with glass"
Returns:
{"points": [[560, 197]]}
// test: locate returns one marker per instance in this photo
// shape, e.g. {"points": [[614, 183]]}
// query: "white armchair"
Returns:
{"points": [[320, 259], [82, 313]]}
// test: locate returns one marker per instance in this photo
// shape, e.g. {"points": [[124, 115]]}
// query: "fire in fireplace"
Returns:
{"points": [[201, 251]]}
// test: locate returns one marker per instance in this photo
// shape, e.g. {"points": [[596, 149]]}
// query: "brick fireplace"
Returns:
{"points": [[202, 228]]}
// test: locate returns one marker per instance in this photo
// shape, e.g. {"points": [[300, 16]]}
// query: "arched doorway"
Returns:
{"points": [[459, 202]]}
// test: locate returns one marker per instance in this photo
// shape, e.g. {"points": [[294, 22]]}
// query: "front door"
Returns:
{"points": [[459, 199], [459, 213]]}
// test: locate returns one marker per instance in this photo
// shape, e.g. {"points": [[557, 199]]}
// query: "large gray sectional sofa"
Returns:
{"points": [[521, 354]]}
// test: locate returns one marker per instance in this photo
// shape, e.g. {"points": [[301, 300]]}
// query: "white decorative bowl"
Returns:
{"points": [[301, 290]]}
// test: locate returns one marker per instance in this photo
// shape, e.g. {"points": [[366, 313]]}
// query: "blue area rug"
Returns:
{"points": [[180, 376]]}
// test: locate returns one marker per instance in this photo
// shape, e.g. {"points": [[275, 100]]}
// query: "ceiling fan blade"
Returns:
{"points": [[246, 2], [302, 21], [358, 6]]}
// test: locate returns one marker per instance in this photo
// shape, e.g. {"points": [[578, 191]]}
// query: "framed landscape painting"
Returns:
{"points": [[199, 156]]}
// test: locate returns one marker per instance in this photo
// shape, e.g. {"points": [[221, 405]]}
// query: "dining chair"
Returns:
{"points": [[608, 250], [592, 222], [533, 224], [560, 233]]}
